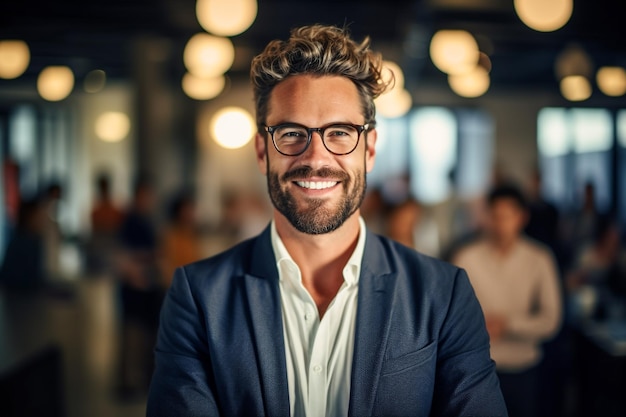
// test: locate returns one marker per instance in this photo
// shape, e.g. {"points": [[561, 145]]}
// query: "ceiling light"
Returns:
{"points": [[391, 68], [208, 56], [112, 126], [471, 84], [55, 83], [454, 51], [575, 88], [544, 15], [232, 127], [394, 103], [612, 81], [14, 58], [226, 17], [203, 88]]}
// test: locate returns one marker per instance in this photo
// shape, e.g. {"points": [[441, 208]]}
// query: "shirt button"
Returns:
{"points": [[317, 369], [309, 313]]}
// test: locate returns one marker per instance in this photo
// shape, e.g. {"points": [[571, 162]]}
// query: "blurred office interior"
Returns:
{"points": [[114, 89]]}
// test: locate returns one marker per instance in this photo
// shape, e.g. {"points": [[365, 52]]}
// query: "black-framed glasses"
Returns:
{"points": [[292, 139]]}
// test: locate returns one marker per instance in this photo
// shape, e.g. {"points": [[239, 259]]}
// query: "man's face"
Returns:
{"points": [[316, 191], [507, 220]]}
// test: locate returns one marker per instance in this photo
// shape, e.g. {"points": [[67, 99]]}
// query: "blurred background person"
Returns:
{"points": [[141, 292], [516, 282], [402, 222], [23, 266], [50, 201], [105, 221], [180, 241], [598, 275], [543, 216]]}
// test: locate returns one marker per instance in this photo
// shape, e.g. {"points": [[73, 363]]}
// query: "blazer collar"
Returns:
{"points": [[265, 312], [375, 301], [376, 290]]}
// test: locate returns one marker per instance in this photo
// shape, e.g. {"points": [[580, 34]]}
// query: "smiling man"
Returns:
{"points": [[317, 316]]}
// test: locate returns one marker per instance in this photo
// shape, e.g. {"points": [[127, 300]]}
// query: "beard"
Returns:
{"points": [[314, 216]]}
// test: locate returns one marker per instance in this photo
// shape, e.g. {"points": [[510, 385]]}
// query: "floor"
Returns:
{"points": [[81, 319]]}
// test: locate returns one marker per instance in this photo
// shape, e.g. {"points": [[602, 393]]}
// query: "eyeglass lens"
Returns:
{"points": [[293, 139]]}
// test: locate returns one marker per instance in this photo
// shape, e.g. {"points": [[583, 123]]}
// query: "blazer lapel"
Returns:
{"points": [[265, 313], [376, 290]]}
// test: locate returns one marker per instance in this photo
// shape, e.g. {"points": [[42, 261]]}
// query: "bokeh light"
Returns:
{"points": [[226, 17], [14, 58], [471, 84], [55, 83], [208, 56], [612, 81], [454, 51], [395, 103], [544, 15], [203, 88], [112, 126], [575, 88], [232, 127]]}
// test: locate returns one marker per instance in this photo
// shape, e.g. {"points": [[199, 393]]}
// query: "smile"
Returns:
{"points": [[316, 185]]}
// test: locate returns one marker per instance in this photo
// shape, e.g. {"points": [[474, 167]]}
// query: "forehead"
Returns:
{"points": [[314, 100], [508, 204]]}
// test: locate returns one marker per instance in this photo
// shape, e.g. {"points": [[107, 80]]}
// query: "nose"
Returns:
{"points": [[316, 149]]}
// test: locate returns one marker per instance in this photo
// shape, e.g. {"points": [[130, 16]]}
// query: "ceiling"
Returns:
{"points": [[99, 34]]}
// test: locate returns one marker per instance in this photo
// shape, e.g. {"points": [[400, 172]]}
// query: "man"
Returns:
{"points": [[516, 282], [317, 316]]}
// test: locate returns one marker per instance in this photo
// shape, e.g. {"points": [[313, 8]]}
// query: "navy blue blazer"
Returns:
{"points": [[421, 347]]}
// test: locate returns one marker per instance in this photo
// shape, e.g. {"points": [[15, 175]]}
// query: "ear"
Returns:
{"points": [[370, 149], [260, 147]]}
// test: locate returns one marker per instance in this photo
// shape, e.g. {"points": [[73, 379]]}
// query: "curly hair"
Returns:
{"points": [[318, 50]]}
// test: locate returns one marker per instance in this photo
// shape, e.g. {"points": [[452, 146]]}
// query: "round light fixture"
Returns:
{"points": [[226, 17], [471, 84], [575, 88], [454, 51], [612, 81], [232, 127], [112, 126], [203, 88], [544, 15], [14, 58], [208, 56], [390, 71], [394, 103], [55, 83]]}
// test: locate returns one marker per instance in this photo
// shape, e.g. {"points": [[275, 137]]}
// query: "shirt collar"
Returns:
{"points": [[351, 270]]}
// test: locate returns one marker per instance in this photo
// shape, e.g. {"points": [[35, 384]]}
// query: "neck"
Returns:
{"points": [[504, 245], [321, 258]]}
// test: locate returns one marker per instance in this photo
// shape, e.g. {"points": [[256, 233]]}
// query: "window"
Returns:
{"points": [[417, 153], [433, 152], [575, 148]]}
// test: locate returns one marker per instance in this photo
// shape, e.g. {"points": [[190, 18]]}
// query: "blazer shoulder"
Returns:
{"points": [[233, 262], [409, 263]]}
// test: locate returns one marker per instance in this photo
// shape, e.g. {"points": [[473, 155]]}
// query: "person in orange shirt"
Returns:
{"points": [[180, 241], [106, 219]]}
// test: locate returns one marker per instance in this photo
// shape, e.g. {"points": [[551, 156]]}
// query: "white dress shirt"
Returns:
{"points": [[318, 352]]}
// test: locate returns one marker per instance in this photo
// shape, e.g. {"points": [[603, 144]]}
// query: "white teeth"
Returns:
{"points": [[316, 185]]}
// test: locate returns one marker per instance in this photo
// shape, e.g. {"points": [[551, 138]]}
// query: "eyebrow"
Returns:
{"points": [[324, 125]]}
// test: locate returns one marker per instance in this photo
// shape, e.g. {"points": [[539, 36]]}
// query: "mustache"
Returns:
{"points": [[308, 172]]}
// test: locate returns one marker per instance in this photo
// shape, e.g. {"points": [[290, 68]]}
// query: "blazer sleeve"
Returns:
{"points": [[467, 382], [182, 384]]}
